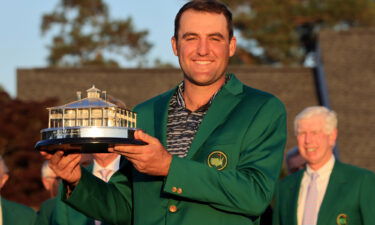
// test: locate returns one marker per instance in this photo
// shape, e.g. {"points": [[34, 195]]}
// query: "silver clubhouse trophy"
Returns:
{"points": [[88, 125]]}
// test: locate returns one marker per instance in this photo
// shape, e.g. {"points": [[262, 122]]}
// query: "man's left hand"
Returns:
{"points": [[152, 159]]}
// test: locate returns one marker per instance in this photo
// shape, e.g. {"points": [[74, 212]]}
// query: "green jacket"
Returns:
{"points": [[56, 212], [350, 198], [228, 176], [17, 214], [45, 212]]}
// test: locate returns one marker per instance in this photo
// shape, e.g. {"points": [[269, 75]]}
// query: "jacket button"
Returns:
{"points": [[179, 190], [174, 189], [172, 208]]}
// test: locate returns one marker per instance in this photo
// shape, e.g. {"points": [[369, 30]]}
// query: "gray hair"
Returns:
{"points": [[3, 166], [329, 115]]}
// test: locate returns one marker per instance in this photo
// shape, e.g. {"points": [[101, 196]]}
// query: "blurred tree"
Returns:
{"points": [[86, 36], [20, 125], [285, 31]]}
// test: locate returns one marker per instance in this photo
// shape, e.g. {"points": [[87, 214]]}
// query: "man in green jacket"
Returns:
{"points": [[214, 146], [12, 213], [327, 191]]}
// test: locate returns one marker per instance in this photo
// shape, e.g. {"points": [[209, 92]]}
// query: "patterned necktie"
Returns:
{"points": [[310, 213]]}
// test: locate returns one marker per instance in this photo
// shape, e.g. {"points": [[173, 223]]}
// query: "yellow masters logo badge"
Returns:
{"points": [[217, 159], [342, 219]]}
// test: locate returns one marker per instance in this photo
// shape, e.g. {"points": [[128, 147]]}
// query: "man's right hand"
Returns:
{"points": [[67, 167]]}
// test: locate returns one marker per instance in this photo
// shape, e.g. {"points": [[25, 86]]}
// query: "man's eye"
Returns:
{"points": [[191, 38]]}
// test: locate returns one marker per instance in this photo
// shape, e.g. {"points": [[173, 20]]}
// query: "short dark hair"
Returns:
{"points": [[210, 6]]}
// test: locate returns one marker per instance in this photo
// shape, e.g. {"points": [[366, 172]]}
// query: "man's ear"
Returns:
{"points": [[232, 46], [3, 179], [174, 46]]}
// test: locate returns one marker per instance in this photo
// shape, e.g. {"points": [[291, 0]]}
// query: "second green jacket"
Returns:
{"points": [[16, 214], [349, 198]]}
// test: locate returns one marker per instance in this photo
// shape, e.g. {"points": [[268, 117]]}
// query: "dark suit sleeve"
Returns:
{"points": [[367, 201], [248, 188], [110, 202]]}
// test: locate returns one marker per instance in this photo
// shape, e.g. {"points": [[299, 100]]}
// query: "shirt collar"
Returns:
{"points": [[325, 170], [114, 165], [180, 98]]}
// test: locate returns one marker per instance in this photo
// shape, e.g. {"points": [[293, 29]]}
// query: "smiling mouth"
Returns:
{"points": [[202, 62], [311, 149]]}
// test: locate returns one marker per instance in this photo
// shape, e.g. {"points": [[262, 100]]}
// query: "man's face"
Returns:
{"points": [[203, 47], [314, 144]]}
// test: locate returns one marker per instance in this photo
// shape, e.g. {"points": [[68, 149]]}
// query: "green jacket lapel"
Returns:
{"points": [[334, 190], [221, 106], [161, 116], [293, 191]]}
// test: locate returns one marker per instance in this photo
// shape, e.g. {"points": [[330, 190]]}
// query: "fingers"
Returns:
{"points": [[131, 149], [64, 160], [64, 165], [55, 159], [46, 155], [141, 135], [152, 159], [74, 162]]}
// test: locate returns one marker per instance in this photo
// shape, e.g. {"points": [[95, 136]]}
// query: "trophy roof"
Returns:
{"points": [[87, 103], [94, 99]]}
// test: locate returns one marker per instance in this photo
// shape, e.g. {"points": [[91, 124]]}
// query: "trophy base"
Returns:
{"points": [[85, 139], [83, 145]]}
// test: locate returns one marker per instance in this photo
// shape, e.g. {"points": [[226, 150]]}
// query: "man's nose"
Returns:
{"points": [[203, 47], [309, 138]]}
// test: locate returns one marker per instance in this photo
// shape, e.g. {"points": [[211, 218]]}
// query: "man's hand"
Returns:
{"points": [[152, 159], [65, 166]]}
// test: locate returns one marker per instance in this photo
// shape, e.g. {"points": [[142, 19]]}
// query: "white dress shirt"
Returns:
{"points": [[322, 182], [113, 166]]}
